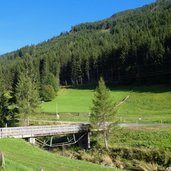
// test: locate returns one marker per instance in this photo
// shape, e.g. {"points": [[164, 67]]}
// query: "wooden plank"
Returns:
{"points": [[37, 131]]}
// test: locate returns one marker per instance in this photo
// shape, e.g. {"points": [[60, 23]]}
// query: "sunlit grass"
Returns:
{"points": [[142, 137], [21, 156], [148, 103]]}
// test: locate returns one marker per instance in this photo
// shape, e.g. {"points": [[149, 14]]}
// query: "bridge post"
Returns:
{"points": [[88, 140], [85, 140], [32, 140]]}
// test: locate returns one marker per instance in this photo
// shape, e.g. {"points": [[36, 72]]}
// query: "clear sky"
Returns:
{"points": [[26, 22]]}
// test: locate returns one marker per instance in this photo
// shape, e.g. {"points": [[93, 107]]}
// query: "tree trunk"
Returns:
{"points": [[88, 75], [105, 140]]}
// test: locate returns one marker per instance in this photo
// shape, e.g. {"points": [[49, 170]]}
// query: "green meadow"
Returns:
{"points": [[143, 137], [148, 104], [70, 100], [145, 104], [21, 156]]}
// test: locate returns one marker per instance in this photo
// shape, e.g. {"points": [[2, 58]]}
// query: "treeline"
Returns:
{"points": [[132, 47], [23, 86], [140, 51]]}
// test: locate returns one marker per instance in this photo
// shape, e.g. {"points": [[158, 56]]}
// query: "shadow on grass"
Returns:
{"points": [[134, 88]]}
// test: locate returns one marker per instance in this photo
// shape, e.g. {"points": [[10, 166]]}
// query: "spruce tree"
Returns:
{"points": [[102, 111], [27, 96], [8, 110]]}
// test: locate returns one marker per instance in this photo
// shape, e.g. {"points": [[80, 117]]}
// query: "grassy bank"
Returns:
{"points": [[142, 137], [140, 148], [21, 156]]}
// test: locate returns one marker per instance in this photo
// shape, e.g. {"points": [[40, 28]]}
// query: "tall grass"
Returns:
{"points": [[157, 137]]}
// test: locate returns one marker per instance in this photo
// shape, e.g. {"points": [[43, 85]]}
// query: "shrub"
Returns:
{"points": [[86, 156], [141, 165], [159, 156], [47, 92], [51, 80], [106, 160]]}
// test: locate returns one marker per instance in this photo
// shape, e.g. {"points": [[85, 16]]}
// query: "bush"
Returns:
{"points": [[47, 93], [106, 160], [86, 156], [51, 80], [158, 156], [141, 165]]}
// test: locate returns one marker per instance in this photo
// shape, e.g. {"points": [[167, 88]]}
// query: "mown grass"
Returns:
{"points": [[70, 100], [21, 156], [145, 103]]}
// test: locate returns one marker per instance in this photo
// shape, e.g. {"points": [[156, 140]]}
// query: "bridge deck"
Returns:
{"points": [[40, 131]]}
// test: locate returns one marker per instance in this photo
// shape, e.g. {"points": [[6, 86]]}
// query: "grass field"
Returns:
{"points": [[70, 100], [143, 137], [21, 156], [152, 104], [145, 104], [140, 147]]}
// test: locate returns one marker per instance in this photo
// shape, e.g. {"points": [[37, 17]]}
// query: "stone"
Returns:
{"points": [[168, 169]]}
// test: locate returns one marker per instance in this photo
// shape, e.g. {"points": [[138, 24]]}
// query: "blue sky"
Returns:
{"points": [[25, 22]]}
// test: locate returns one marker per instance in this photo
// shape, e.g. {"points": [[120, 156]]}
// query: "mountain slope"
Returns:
{"points": [[130, 47]]}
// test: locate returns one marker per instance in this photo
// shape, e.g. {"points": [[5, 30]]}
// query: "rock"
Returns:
{"points": [[168, 169]]}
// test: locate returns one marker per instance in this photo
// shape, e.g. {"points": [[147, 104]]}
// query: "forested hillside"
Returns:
{"points": [[130, 47]]}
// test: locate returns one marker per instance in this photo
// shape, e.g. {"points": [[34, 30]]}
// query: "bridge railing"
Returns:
{"points": [[37, 131]]}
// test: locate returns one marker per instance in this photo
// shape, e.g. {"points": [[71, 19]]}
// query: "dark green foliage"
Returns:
{"points": [[76, 72], [47, 93], [2, 84], [130, 47], [27, 95], [52, 81], [8, 110]]}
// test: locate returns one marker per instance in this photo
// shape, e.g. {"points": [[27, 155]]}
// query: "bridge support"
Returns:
{"points": [[32, 140], [85, 140]]}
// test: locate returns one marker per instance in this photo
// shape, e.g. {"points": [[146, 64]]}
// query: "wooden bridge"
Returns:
{"points": [[32, 132], [41, 131]]}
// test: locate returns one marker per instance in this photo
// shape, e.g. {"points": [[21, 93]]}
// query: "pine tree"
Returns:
{"points": [[1, 81], [102, 111], [76, 72], [27, 96], [8, 110]]}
